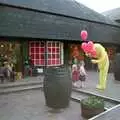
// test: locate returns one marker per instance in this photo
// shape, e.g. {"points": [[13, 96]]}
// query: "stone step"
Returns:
{"points": [[86, 92], [20, 89], [17, 84]]}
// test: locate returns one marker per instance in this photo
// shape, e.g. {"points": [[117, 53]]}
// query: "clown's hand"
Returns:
{"points": [[86, 54], [94, 61]]}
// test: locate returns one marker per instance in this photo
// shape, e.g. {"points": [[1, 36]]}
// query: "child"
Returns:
{"points": [[82, 73], [75, 74]]}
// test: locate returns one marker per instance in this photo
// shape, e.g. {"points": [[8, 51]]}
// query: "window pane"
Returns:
{"points": [[57, 50], [53, 50], [53, 62], [42, 56], [37, 50], [41, 50], [53, 56], [49, 44], [37, 56], [37, 44], [57, 56], [49, 50], [32, 50], [34, 56], [42, 44], [57, 44], [37, 62], [49, 56], [32, 44], [53, 44]]}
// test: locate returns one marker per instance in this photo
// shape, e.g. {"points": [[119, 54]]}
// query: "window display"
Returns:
{"points": [[52, 49]]}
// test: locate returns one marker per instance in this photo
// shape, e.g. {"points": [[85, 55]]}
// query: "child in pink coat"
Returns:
{"points": [[75, 74]]}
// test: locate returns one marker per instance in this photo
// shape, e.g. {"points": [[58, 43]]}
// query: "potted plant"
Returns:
{"points": [[92, 106]]}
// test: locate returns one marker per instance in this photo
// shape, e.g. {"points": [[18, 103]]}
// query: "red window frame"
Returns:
{"points": [[37, 52], [53, 52]]}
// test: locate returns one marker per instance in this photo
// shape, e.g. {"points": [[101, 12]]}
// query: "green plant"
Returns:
{"points": [[93, 102]]}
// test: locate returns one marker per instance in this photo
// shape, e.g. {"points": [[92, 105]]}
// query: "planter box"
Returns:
{"points": [[87, 112], [92, 106]]}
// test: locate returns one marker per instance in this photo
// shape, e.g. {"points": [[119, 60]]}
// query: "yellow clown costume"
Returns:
{"points": [[99, 56], [103, 64]]}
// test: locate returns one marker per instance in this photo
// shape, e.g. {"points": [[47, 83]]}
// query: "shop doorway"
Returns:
{"points": [[76, 51], [10, 52]]}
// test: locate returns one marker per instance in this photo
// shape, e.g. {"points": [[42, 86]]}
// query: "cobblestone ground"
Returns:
{"points": [[30, 105]]}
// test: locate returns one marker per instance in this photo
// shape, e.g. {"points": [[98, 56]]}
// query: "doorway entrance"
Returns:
{"points": [[10, 52]]}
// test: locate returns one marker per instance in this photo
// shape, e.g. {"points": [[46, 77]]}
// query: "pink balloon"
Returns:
{"points": [[89, 48], [93, 53], [84, 35], [90, 45], [84, 46]]}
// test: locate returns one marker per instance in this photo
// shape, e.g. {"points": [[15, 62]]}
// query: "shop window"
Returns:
{"points": [[54, 53], [37, 51]]}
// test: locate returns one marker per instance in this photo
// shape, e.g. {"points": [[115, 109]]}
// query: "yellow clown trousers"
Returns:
{"points": [[103, 65]]}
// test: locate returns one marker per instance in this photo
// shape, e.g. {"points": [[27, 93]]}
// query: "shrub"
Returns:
{"points": [[93, 102]]}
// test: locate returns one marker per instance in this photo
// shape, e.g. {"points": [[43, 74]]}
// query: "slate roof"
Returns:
{"points": [[33, 23], [113, 14], [63, 7]]}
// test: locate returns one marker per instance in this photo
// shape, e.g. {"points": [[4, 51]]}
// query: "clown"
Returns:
{"points": [[99, 56]]}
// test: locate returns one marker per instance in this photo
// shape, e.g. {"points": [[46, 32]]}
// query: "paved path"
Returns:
{"points": [[112, 90], [113, 86], [30, 105], [113, 114]]}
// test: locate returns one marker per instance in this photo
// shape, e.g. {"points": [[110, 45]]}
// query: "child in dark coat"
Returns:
{"points": [[82, 73]]}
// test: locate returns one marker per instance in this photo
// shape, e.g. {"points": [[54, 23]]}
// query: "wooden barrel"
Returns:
{"points": [[116, 67], [57, 87]]}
